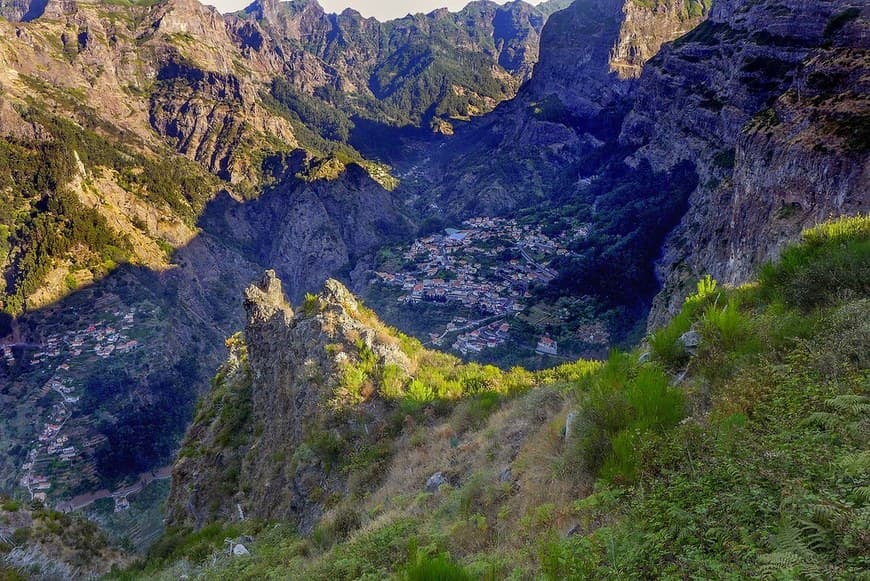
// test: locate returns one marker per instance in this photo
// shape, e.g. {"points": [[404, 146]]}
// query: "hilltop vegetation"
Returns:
{"points": [[37, 542], [43, 218], [734, 444]]}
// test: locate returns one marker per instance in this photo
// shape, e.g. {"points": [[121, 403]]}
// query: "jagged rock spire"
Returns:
{"points": [[265, 299]]}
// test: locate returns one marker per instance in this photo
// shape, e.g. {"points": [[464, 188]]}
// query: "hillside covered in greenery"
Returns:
{"points": [[731, 443]]}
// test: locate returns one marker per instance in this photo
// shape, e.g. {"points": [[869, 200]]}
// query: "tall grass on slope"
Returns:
{"points": [[832, 265]]}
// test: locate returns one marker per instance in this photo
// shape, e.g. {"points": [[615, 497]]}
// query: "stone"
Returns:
{"points": [[569, 421], [240, 550], [435, 482], [506, 475], [691, 340]]}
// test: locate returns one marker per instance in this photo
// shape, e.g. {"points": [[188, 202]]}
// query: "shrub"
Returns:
{"points": [[665, 344], [311, 304], [571, 558], [392, 381], [726, 326], [624, 403], [10, 505], [832, 265], [471, 412], [346, 521], [438, 568]]}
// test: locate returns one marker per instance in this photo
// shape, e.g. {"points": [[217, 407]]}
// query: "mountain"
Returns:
{"points": [[781, 142], [415, 69], [379, 458], [156, 157], [669, 162]]}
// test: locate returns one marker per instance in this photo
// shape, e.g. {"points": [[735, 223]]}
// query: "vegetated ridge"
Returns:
{"points": [[732, 442]]}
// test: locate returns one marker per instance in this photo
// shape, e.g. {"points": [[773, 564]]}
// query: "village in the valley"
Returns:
{"points": [[55, 360], [488, 266]]}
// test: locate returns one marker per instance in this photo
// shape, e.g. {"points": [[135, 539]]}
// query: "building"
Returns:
{"points": [[547, 346]]}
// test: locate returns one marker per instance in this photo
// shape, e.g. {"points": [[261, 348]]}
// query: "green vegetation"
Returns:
{"points": [[58, 543], [43, 221], [744, 454], [767, 475]]}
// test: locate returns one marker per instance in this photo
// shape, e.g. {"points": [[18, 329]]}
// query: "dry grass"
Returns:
{"points": [[507, 481]]}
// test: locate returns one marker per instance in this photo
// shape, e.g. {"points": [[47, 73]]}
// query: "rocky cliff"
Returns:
{"points": [[563, 125], [768, 104], [295, 398]]}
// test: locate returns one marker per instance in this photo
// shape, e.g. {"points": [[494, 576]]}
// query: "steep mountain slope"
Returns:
{"points": [[735, 443], [776, 135], [213, 147], [693, 136]]}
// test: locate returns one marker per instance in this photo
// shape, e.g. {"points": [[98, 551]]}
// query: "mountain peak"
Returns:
{"points": [[298, 374], [265, 299]]}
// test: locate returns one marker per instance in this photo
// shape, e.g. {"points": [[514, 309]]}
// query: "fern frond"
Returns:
{"points": [[852, 404], [862, 494], [856, 464], [787, 539], [824, 420], [777, 562], [829, 514], [815, 537]]}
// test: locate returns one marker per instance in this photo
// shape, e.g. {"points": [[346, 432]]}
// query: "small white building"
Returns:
{"points": [[547, 346]]}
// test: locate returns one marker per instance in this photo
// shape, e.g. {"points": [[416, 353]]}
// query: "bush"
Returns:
{"points": [[726, 326], [438, 568], [832, 265], [571, 558], [311, 304], [665, 344], [624, 403]]}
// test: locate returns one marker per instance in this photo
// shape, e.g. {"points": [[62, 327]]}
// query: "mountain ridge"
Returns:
{"points": [[465, 470], [218, 154]]}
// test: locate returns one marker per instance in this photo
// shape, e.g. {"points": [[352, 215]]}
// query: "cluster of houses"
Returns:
{"points": [[449, 267], [56, 356], [100, 338], [467, 266], [487, 337]]}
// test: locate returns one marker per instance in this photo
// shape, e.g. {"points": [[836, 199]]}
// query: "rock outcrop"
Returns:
{"points": [[268, 437]]}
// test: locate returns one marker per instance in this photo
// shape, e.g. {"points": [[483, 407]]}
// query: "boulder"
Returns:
{"points": [[691, 340], [435, 481]]}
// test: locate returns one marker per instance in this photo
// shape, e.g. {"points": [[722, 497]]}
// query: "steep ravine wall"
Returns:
{"points": [[761, 98]]}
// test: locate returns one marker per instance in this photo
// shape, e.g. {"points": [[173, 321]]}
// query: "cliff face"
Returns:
{"points": [[768, 104], [593, 49], [566, 120], [272, 455], [647, 26]]}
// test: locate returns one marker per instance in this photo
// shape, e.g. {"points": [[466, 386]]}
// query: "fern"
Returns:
{"points": [[855, 465], [862, 494], [829, 514], [852, 404], [824, 420]]}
